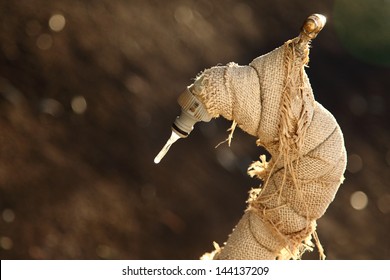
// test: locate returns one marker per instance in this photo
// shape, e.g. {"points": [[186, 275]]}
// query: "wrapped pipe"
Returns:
{"points": [[272, 99]]}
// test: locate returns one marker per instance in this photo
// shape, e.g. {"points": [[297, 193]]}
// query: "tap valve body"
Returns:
{"points": [[192, 111]]}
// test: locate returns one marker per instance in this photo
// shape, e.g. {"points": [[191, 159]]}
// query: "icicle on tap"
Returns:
{"points": [[192, 111], [174, 137]]}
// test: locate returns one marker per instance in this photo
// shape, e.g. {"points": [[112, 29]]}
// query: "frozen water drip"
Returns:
{"points": [[174, 137]]}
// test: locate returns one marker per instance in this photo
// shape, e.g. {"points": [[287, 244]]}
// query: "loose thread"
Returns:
{"points": [[230, 136]]}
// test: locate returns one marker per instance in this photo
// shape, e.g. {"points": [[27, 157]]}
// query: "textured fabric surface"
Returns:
{"points": [[271, 99]]}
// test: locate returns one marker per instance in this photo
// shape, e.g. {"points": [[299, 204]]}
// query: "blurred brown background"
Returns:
{"points": [[88, 93]]}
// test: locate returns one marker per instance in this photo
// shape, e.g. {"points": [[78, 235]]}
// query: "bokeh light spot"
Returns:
{"points": [[136, 84], [383, 204], [51, 107], [359, 200], [44, 41], [226, 158], [103, 251], [8, 215], [36, 253], [79, 104], [183, 15], [243, 12], [6, 243], [57, 22], [355, 163]]}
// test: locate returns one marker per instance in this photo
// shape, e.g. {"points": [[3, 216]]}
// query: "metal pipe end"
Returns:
{"points": [[312, 26]]}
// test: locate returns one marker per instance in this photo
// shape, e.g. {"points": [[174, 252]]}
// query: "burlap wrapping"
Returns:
{"points": [[271, 99]]}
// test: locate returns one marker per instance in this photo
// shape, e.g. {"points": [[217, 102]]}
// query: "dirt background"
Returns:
{"points": [[88, 93]]}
